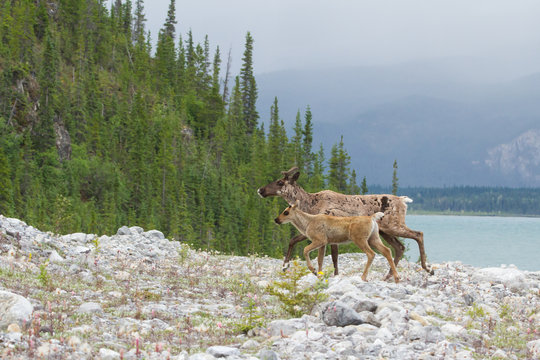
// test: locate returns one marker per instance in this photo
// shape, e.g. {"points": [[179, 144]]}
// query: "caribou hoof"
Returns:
{"points": [[285, 267]]}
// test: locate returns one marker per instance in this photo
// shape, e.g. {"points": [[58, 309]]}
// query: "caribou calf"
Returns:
{"points": [[326, 229]]}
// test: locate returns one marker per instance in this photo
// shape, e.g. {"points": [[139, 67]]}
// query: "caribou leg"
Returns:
{"points": [[333, 249], [398, 247], [292, 243]]}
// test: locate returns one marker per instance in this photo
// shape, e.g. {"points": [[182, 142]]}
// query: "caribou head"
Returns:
{"points": [[276, 187]]}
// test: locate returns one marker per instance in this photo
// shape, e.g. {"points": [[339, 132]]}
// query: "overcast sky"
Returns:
{"points": [[291, 34]]}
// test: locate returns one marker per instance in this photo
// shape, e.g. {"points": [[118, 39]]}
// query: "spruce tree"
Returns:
{"points": [[316, 181], [297, 142], [43, 130], [215, 71], [395, 179], [248, 87], [170, 22], [364, 187], [338, 176], [353, 187], [138, 24], [308, 142]]}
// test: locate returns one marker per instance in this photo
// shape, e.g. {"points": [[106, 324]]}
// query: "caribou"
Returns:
{"points": [[328, 202], [324, 229]]}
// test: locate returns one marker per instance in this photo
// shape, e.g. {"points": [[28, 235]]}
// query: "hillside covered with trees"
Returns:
{"points": [[99, 130]]}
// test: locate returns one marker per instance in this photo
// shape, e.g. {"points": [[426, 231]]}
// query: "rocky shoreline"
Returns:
{"points": [[137, 295]]}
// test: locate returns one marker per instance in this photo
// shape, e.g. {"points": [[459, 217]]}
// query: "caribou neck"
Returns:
{"points": [[294, 192], [301, 220]]}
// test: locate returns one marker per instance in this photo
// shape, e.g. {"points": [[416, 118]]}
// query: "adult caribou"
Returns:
{"points": [[329, 202]]}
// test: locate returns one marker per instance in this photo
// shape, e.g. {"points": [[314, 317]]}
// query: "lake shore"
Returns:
{"points": [[467, 213], [137, 295]]}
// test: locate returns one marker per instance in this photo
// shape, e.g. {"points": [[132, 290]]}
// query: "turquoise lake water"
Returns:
{"points": [[481, 241]]}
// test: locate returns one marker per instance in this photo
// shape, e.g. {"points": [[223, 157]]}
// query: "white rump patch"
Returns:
{"points": [[378, 216], [406, 199]]}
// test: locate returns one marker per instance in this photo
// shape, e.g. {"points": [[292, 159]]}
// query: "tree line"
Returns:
{"points": [[471, 199], [99, 130]]}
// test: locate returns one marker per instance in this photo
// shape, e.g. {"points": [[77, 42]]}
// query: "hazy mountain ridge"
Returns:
{"points": [[442, 128]]}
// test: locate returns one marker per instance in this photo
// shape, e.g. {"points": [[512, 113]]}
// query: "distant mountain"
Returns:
{"points": [[443, 126]]}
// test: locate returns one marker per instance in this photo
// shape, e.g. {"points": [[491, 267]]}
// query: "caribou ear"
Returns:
{"points": [[296, 203], [295, 176], [292, 172]]}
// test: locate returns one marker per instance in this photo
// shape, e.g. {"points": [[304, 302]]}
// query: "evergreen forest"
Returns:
{"points": [[100, 130]]}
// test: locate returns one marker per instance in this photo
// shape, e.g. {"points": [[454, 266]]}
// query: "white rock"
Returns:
{"points": [[79, 237], [499, 354], [201, 356], [136, 230], [464, 355], [222, 351], [342, 346], [341, 286], [284, 327], [14, 309], [384, 334], [46, 350], [452, 329], [534, 348], [311, 335], [89, 308], [156, 234], [108, 354], [512, 278], [250, 344], [55, 257], [81, 249]]}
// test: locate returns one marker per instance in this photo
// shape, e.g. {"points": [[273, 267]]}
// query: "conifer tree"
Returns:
{"points": [[338, 176], [297, 142], [277, 139], [138, 25], [316, 182], [190, 51], [363, 186], [308, 142], [395, 179], [353, 187], [249, 87], [216, 70], [170, 22], [43, 131]]}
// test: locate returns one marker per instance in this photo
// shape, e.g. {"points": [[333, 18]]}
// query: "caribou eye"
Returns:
{"points": [[280, 183], [285, 213]]}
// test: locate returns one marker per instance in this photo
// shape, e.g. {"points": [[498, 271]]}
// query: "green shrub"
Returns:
{"points": [[295, 299]]}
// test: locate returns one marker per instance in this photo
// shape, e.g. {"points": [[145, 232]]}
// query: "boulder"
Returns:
{"points": [[266, 354], [14, 309], [90, 308], [124, 230], [284, 327], [337, 313], [108, 354], [154, 234], [512, 278], [222, 351], [55, 257]]}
